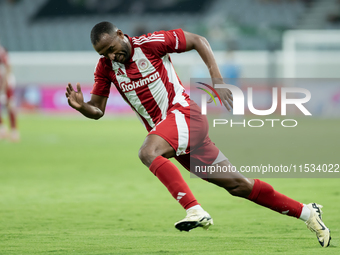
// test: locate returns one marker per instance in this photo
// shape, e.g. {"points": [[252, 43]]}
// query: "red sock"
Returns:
{"points": [[265, 195], [171, 177]]}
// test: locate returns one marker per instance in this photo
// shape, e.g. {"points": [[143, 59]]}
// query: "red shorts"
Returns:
{"points": [[186, 130]]}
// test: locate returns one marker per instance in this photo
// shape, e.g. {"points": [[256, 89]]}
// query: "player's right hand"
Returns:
{"points": [[75, 98]]}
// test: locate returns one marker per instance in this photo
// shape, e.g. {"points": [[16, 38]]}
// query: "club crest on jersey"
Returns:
{"points": [[132, 85], [143, 64]]}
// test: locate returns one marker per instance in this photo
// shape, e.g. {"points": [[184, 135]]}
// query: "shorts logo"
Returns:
{"points": [[143, 64]]}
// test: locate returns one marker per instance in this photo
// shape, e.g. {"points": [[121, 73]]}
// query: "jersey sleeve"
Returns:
{"points": [[162, 42], [102, 83]]}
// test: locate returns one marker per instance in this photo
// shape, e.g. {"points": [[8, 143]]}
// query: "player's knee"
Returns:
{"points": [[142, 154], [240, 188], [146, 155]]}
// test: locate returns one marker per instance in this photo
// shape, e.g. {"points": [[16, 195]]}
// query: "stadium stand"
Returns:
{"points": [[321, 15], [45, 25]]}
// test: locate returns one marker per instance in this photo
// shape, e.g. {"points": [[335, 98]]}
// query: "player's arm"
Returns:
{"points": [[93, 109], [202, 46]]}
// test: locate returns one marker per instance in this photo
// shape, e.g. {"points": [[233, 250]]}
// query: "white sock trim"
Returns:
{"points": [[305, 214]]}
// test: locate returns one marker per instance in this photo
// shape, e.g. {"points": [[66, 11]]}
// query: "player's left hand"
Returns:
{"points": [[226, 97]]}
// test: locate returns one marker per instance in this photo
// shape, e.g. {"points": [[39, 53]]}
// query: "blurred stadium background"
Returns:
{"points": [[49, 43]]}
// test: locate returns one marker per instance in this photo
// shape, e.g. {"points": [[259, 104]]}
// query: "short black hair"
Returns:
{"points": [[104, 27]]}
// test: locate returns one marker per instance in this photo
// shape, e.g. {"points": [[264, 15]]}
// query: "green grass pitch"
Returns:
{"points": [[76, 186]]}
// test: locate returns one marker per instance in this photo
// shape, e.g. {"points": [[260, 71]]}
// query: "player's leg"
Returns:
{"points": [[176, 130], [256, 190], [154, 146], [154, 153], [207, 154], [168, 139], [265, 195], [3, 129], [14, 133]]}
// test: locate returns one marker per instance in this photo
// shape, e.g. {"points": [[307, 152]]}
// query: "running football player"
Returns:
{"points": [[141, 70]]}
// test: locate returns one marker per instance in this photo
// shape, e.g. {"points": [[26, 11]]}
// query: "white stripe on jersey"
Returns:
{"points": [[137, 104], [121, 78], [176, 47], [157, 88], [131, 96], [152, 35], [183, 132], [137, 43], [150, 38], [160, 95], [116, 66], [179, 98], [143, 39]]}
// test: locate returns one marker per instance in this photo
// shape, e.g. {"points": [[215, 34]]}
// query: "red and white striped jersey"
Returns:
{"points": [[147, 81]]}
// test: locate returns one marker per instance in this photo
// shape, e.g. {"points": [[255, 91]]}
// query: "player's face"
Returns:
{"points": [[114, 47]]}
